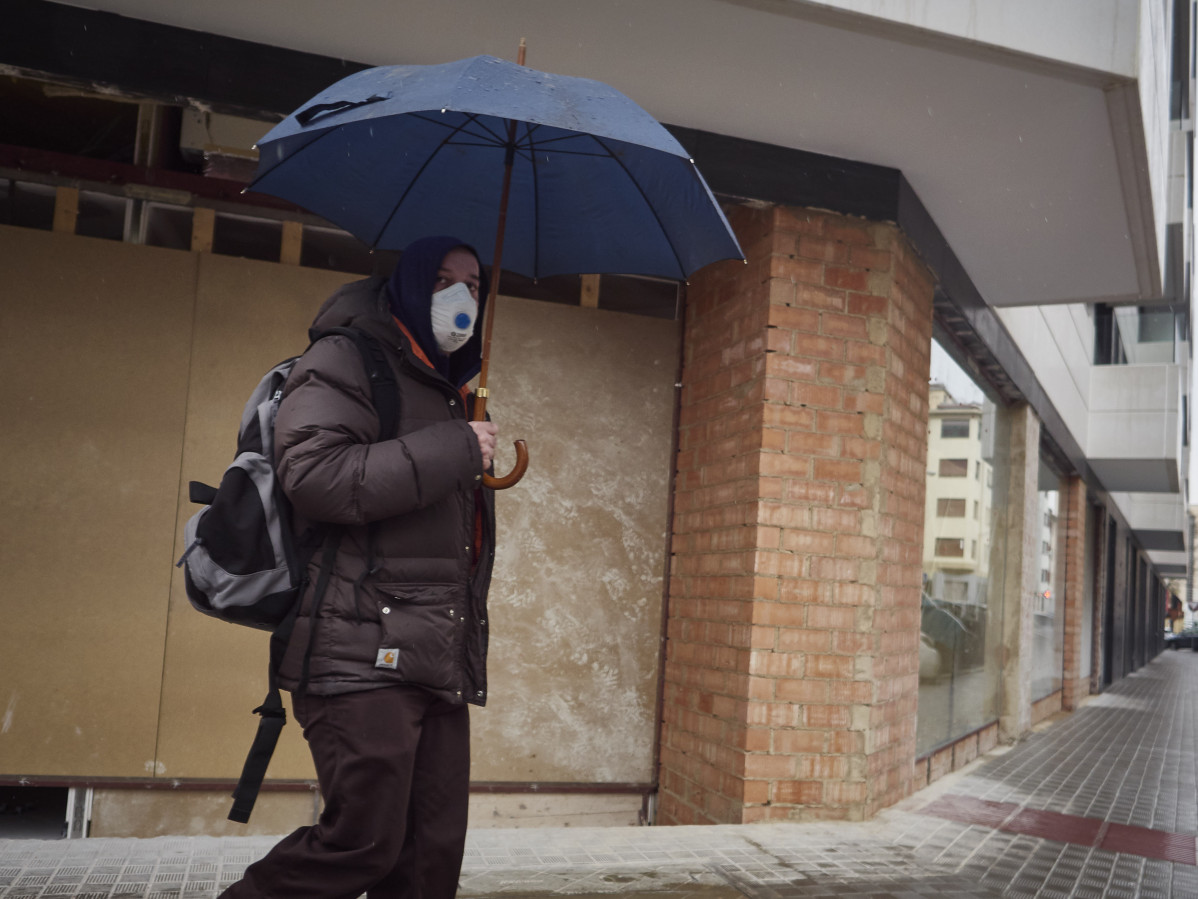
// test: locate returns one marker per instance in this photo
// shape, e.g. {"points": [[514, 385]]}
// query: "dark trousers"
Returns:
{"points": [[394, 771]]}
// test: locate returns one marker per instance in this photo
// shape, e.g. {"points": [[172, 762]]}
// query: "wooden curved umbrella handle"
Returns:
{"points": [[510, 480]]}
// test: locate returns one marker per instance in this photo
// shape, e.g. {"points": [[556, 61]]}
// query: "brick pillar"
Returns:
{"points": [[1075, 507], [792, 655]]}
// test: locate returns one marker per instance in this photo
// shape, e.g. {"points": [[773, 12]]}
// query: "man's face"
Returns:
{"points": [[458, 267]]}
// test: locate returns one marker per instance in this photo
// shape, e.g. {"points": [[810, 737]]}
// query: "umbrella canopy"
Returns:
{"points": [[394, 153]]}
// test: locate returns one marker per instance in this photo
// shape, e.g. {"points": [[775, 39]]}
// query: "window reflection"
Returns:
{"points": [[1048, 608], [963, 559]]}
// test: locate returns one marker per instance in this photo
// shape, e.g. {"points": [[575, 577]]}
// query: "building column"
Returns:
{"points": [[793, 638], [1021, 577], [1075, 508]]}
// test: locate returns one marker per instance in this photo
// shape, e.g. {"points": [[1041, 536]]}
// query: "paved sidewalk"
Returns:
{"points": [[1103, 803]]}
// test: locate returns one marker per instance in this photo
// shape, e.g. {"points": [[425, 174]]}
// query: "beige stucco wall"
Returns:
{"points": [[123, 370]]}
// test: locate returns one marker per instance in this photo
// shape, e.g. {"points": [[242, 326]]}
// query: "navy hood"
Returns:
{"points": [[410, 294]]}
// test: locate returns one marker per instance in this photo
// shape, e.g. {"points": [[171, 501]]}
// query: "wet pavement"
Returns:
{"points": [[1102, 803]]}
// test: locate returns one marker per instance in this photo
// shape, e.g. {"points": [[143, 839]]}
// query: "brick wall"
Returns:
{"points": [[792, 655], [955, 756]]}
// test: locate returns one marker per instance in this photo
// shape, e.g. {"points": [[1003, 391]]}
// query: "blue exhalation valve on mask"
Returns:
{"points": [[453, 313]]}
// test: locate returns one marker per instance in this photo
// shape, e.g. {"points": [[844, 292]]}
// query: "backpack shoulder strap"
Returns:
{"points": [[274, 715], [384, 390]]}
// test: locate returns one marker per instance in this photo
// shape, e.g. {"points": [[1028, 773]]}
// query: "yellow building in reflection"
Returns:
{"points": [[956, 548]]}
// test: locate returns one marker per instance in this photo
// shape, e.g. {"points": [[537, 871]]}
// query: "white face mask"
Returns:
{"points": [[453, 313]]}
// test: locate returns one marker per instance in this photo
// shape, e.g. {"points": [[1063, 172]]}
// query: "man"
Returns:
{"points": [[399, 641]]}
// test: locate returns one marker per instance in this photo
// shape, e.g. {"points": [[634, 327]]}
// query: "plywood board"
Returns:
{"points": [[576, 600], [249, 316], [94, 344]]}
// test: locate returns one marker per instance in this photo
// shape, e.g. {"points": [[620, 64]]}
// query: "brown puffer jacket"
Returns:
{"points": [[420, 617]]}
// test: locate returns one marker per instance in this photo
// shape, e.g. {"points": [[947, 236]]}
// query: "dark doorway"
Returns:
{"points": [[33, 813]]}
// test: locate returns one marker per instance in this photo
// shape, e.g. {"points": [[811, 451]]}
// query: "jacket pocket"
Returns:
{"points": [[421, 632]]}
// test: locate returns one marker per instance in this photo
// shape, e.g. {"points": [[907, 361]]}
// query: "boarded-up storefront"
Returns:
{"points": [[123, 370]]}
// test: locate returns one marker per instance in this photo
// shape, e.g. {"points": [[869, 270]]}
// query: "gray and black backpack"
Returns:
{"points": [[245, 564]]}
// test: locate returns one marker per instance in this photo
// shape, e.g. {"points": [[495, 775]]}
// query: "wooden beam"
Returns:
{"points": [[589, 296], [203, 224], [293, 243], [66, 209]]}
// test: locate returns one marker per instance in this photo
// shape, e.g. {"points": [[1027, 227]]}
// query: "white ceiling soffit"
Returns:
{"points": [[1136, 475], [1168, 563], [1027, 166]]}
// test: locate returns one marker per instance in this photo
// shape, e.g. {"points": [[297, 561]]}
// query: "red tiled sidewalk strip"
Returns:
{"points": [[1170, 847], [1055, 826], [1125, 838]]}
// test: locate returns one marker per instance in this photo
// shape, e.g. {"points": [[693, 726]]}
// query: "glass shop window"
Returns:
{"points": [[247, 236], [167, 226], [102, 215], [961, 609], [1048, 606], [332, 249], [26, 204]]}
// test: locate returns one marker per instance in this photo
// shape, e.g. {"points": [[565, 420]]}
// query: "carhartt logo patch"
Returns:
{"points": [[388, 658]]}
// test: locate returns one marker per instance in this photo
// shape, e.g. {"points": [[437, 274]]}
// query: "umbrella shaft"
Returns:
{"points": [[482, 393], [480, 403]]}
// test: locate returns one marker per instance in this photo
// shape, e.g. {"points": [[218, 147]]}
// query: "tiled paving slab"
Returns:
{"points": [[1150, 843], [1101, 805]]}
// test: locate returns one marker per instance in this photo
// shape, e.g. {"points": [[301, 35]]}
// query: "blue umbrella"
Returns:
{"points": [[394, 153], [561, 175]]}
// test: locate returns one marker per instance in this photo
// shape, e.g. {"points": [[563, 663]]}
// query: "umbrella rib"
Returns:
{"points": [[490, 137], [468, 143], [415, 178], [640, 190], [574, 152], [472, 119], [536, 199], [571, 135], [495, 135]]}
